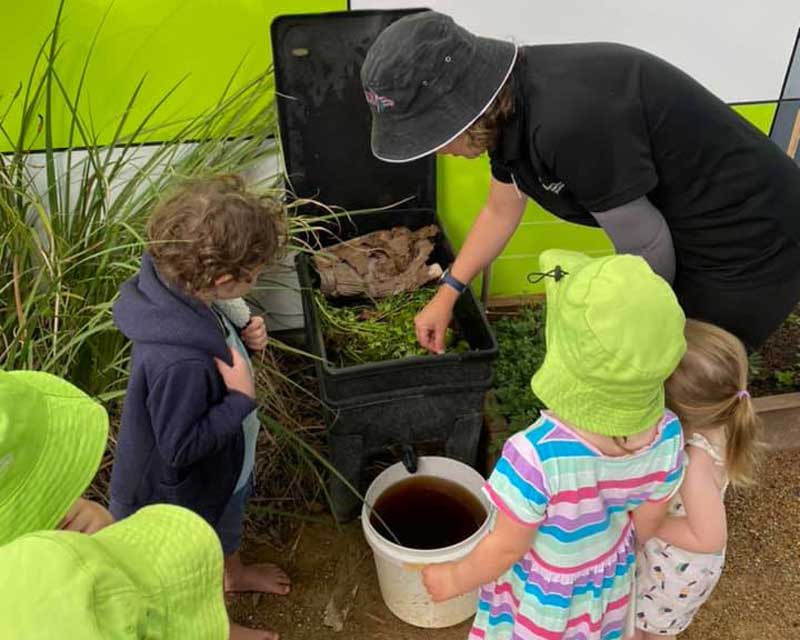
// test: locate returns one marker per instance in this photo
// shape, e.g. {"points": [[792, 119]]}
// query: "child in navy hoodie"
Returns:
{"points": [[189, 424]]}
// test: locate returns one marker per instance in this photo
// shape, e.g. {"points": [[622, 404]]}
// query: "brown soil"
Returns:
{"points": [[776, 367], [757, 598]]}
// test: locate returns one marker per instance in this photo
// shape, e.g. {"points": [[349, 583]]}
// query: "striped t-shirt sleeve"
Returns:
{"points": [[517, 485], [673, 477]]}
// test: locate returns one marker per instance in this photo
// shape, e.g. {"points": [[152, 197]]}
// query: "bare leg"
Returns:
{"points": [[238, 632], [265, 577]]}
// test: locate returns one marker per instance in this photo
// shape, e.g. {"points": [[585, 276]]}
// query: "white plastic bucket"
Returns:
{"points": [[400, 569]]}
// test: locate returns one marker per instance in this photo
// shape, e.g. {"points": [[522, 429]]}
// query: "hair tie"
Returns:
{"points": [[744, 393]]}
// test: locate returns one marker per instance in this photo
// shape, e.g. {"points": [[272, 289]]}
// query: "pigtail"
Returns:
{"points": [[743, 440], [708, 391]]}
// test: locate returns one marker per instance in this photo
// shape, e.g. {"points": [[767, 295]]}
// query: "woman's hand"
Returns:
{"points": [[86, 516], [432, 322], [491, 231]]}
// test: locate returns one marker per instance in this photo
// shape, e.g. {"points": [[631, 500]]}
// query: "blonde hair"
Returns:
{"points": [[708, 391], [484, 133]]}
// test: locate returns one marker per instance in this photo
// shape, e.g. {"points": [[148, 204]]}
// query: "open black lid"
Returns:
{"points": [[325, 121]]}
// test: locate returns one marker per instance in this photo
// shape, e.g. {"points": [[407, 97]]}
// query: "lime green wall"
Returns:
{"points": [[162, 41], [760, 114], [203, 42], [463, 185]]}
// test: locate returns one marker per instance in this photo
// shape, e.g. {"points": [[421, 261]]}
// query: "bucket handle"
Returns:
{"points": [[409, 458]]}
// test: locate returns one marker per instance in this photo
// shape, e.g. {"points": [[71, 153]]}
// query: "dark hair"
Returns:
{"points": [[485, 131]]}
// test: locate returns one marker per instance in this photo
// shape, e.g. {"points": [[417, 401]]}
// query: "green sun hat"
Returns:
{"points": [[52, 439], [614, 334], [156, 574]]}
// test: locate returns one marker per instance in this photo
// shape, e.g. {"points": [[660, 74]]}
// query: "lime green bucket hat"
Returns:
{"points": [[614, 335], [156, 574], [52, 438]]}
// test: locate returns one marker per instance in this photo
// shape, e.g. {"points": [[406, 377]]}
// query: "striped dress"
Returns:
{"points": [[574, 583]]}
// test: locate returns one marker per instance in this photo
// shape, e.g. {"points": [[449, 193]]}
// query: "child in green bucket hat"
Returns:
{"points": [[594, 472], [156, 574], [52, 439]]}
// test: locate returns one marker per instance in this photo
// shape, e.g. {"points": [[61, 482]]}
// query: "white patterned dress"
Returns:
{"points": [[672, 583]]}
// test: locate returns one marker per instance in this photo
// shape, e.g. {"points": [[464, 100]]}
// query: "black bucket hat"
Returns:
{"points": [[426, 80]]}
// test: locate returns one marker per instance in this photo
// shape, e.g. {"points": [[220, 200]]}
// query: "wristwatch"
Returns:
{"points": [[449, 280]]}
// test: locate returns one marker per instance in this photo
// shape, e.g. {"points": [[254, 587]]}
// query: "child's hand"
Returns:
{"points": [[86, 516], [254, 334], [238, 377], [439, 580]]}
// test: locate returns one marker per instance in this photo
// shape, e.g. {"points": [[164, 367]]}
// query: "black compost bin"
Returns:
{"points": [[382, 410]]}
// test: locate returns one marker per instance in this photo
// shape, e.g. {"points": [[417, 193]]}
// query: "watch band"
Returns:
{"points": [[448, 279]]}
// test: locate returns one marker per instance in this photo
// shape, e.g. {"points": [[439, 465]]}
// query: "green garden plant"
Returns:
{"points": [[71, 231], [71, 219], [521, 342], [367, 331]]}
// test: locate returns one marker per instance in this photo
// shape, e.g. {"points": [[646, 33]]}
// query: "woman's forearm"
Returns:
{"points": [[489, 235]]}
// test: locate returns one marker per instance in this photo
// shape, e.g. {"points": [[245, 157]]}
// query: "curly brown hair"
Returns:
{"points": [[485, 131], [214, 227]]}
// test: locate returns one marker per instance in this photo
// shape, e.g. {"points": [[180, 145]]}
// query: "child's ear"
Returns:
{"points": [[223, 280]]}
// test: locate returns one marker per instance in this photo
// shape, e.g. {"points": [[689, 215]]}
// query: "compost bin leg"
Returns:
{"points": [[463, 442], [346, 456]]}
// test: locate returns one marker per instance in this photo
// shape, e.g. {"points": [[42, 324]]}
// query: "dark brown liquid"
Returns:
{"points": [[425, 512]]}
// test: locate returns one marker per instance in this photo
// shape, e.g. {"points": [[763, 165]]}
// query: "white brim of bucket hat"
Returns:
{"points": [[175, 559], [409, 133], [69, 459]]}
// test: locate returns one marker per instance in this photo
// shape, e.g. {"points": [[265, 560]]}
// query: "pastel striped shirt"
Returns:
{"points": [[574, 582]]}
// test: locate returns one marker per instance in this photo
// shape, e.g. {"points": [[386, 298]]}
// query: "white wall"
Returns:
{"points": [[740, 50]]}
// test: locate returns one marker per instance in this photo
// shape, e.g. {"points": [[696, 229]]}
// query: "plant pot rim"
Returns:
{"points": [[777, 402]]}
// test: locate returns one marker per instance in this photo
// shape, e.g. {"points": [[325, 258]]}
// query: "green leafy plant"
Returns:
{"points": [[372, 331], [521, 341], [71, 231], [71, 220], [755, 364], [787, 379]]}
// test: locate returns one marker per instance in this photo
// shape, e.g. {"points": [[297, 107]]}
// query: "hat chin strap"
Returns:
{"points": [[556, 273]]}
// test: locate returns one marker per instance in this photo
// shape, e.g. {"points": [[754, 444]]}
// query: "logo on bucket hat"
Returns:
{"points": [[378, 102]]}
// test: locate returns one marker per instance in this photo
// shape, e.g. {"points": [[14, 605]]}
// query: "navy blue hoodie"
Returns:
{"points": [[181, 440]]}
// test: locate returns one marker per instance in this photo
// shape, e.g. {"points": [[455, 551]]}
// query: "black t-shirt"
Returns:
{"points": [[598, 125]]}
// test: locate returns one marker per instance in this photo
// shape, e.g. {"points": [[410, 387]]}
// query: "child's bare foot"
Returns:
{"points": [[265, 577], [238, 632]]}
